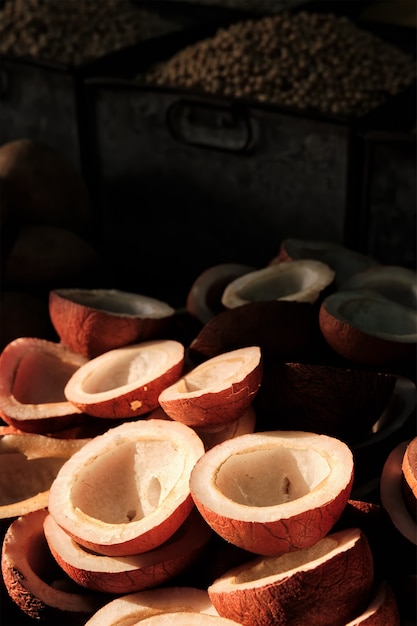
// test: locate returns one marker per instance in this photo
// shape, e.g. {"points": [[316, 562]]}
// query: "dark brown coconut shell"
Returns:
{"points": [[382, 610], [35, 583], [284, 330], [366, 328], [339, 401], [33, 375], [324, 585], [94, 321], [43, 187]]}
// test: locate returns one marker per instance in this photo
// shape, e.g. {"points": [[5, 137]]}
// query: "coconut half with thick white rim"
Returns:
{"points": [[134, 607], [93, 321], [365, 327], [217, 392], [273, 492], [127, 491], [186, 618], [33, 375], [326, 584], [299, 281], [126, 382], [127, 574]]}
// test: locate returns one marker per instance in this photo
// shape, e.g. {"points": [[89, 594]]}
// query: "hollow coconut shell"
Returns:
{"points": [[126, 382], [273, 492], [33, 580], [344, 261], [43, 187], [299, 281], [216, 392], [137, 606], [343, 402], [393, 282], [127, 574], [33, 375], [93, 321], [324, 585], [127, 491], [28, 465], [366, 328]]}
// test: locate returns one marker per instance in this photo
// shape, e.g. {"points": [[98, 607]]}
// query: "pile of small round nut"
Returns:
{"points": [[303, 60], [75, 32]]}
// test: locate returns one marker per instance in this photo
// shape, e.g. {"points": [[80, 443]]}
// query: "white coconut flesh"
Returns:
{"points": [[126, 610], [265, 570], [125, 481], [395, 283], [117, 302], [126, 368], [374, 315], [217, 373], [300, 281], [265, 476]]}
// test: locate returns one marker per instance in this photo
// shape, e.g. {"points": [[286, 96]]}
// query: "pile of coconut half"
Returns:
{"points": [[250, 459]]}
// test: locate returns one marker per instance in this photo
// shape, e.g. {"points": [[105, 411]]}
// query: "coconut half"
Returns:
{"points": [[126, 382], [205, 295], [134, 607], [392, 495], [393, 282], [299, 281], [273, 492], [409, 477], [127, 574], [364, 327], [216, 392], [127, 491], [186, 618], [34, 581], [343, 260], [33, 375], [325, 584], [28, 465], [93, 321]]}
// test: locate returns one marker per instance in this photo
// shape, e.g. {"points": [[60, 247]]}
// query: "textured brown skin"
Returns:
{"points": [[215, 410], [284, 330], [409, 482], [359, 347], [91, 332], [328, 595], [282, 535], [133, 403], [343, 402]]}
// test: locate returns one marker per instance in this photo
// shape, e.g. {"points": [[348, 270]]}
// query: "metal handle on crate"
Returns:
{"points": [[212, 126]]}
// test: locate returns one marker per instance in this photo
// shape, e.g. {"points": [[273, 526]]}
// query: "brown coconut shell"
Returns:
{"points": [[216, 392], [324, 585], [93, 321], [33, 375], [34, 581], [409, 477], [254, 492], [127, 574], [382, 610]]}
